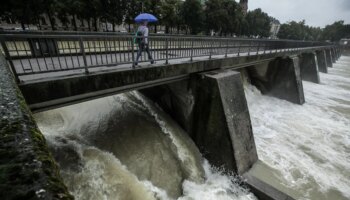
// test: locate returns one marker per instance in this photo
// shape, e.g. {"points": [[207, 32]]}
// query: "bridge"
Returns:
{"points": [[196, 80], [97, 65]]}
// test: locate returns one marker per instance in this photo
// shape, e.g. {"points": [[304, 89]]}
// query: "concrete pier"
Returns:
{"points": [[322, 61], [329, 58], [333, 54], [309, 67], [212, 108], [279, 78], [222, 122]]}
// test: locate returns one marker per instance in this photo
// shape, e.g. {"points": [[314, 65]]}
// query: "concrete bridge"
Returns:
{"points": [[196, 80]]}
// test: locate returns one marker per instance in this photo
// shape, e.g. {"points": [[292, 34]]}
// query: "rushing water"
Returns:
{"points": [[306, 149], [124, 147]]}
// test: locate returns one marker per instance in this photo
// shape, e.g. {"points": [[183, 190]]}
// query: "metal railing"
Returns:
{"points": [[34, 54]]}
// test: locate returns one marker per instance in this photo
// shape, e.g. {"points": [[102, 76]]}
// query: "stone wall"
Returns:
{"points": [[27, 169]]}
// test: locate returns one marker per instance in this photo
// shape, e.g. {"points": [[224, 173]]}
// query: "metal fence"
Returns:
{"points": [[32, 54]]}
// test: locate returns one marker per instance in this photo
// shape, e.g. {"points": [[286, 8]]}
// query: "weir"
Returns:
{"points": [[206, 97]]}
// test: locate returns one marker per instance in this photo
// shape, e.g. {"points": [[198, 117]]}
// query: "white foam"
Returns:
{"points": [[218, 186], [310, 144], [101, 175]]}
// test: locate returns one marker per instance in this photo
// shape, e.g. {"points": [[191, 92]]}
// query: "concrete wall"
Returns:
{"points": [[279, 78], [27, 169], [329, 58], [309, 67], [322, 61]]}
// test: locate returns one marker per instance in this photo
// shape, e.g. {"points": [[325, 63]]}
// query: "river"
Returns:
{"points": [[305, 150], [125, 147]]}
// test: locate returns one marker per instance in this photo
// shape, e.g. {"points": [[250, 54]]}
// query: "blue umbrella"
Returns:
{"points": [[145, 17]]}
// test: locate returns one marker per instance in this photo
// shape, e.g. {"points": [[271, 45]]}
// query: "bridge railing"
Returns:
{"points": [[36, 54]]}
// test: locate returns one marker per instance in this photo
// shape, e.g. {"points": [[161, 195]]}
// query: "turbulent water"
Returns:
{"points": [[124, 147], [305, 150]]}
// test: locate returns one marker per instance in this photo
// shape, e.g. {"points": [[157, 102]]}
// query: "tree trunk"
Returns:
{"points": [[155, 28], [23, 26], [38, 21], [95, 24], [89, 24], [106, 25], [129, 27], [75, 23], [52, 23], [166, 29], [113, 24]]}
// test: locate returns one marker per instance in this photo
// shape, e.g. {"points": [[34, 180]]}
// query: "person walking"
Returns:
{"points": [[142, 41]]}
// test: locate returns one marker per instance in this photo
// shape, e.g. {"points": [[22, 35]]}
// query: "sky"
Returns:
{"points": [[315, 12]]}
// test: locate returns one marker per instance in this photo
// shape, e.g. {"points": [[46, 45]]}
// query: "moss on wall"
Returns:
{"points": [[27, 169]]}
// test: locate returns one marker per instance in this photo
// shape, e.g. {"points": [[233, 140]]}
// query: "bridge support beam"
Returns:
{"points": [[309, 67], [334, 57], [213, 110], [322, 61], [329, 58], [338, 52], [222, 127], [279, 78]]}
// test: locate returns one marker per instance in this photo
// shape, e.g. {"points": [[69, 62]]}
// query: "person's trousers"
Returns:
{"points": [[143, 47]]}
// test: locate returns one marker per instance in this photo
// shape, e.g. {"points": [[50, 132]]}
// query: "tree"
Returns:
{"points": [[23, 11], [169, 14], [133, 8], [192, 14], [299, 31], [216, 16], [336, 31], [259, 23]]}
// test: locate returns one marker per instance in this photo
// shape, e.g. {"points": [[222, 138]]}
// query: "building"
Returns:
{"points": [[275, 28], [244, 5]]}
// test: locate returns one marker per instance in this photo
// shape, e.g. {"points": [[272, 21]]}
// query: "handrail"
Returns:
{"points": [[30, 54]]}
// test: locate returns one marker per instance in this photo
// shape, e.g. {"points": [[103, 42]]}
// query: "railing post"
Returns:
{"points": [[239, 49], [210, 49], [265, 44], [9, 59], [257, 51], [166, 51], [250, 43], [192, 46], [132, 52], [226, 51], [82, 50]]}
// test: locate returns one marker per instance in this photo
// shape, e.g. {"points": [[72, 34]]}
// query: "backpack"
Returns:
{"points": [[138, 37]]}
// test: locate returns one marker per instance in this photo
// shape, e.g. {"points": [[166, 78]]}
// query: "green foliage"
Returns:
{"points": [[170, 13], [225, 17], [192, 14], [299, 31], [336, 31], [258, 23]]}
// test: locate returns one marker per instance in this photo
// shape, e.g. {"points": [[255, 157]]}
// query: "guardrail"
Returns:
{"points": [[30, 54]]}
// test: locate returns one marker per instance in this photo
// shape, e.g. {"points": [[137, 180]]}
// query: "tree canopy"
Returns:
{"points": [[224, 17]]}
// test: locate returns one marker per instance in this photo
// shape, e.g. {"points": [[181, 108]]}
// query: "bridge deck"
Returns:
{"points": [[70, 70], [34, 57]]}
